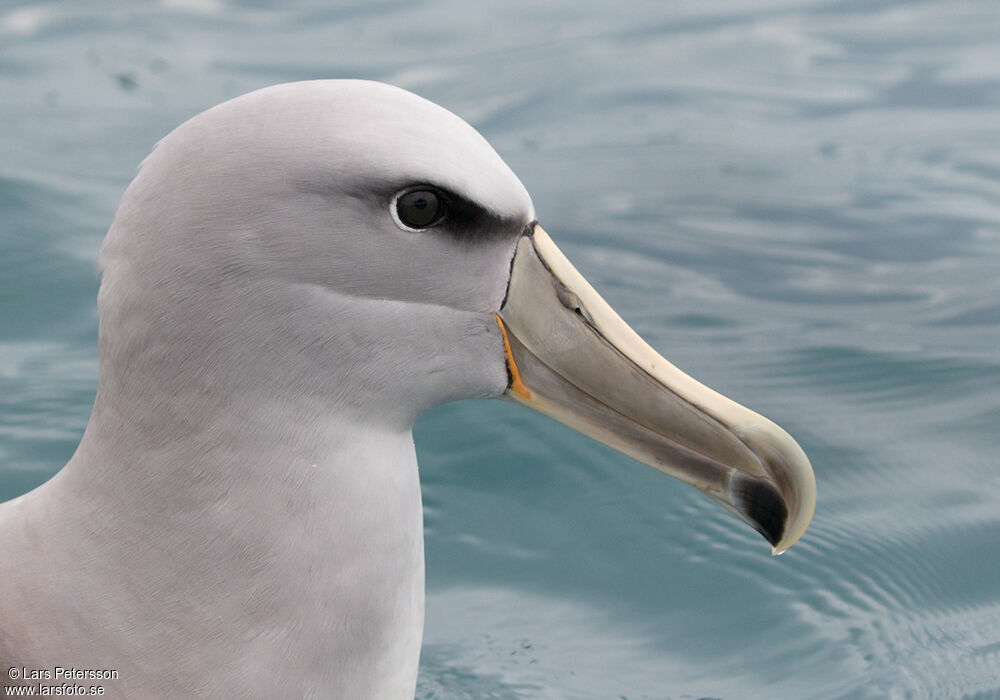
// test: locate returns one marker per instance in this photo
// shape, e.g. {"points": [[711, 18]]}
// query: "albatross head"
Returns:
{"points": [[365, 252]]}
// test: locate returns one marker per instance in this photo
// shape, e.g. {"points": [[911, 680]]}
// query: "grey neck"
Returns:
{"points": [[255, 538]]}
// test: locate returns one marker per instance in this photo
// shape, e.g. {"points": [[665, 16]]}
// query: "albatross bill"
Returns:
{"points": [[573, 358]]}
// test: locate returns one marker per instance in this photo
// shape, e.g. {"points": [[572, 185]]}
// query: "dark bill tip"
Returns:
{"points": [[761, 505]]}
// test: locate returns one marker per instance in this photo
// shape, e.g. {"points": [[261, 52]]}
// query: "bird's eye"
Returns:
{"points": [[419, 208]]}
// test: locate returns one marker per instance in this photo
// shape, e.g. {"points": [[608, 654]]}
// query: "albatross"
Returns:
{"points": [[291, 279]]}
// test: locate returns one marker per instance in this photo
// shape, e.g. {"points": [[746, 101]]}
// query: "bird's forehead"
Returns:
{"points": [[359, 133]]}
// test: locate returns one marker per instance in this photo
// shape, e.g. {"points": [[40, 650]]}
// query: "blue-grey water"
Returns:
{"points": [[796, 201]]}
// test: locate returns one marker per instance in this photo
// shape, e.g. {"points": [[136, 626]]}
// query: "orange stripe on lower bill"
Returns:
{"points": [[516, 385]]}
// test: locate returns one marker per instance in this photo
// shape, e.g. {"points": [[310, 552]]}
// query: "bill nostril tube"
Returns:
{"points": [[572, 302]]}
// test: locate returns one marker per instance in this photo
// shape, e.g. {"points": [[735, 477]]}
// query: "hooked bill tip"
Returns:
{"points": [[762, 507]]}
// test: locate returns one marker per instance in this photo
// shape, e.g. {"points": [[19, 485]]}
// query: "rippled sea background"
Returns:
{"points": [[796, 201]]}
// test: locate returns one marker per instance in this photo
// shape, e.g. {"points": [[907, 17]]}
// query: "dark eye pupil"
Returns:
{"points": [[418, 209]]}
